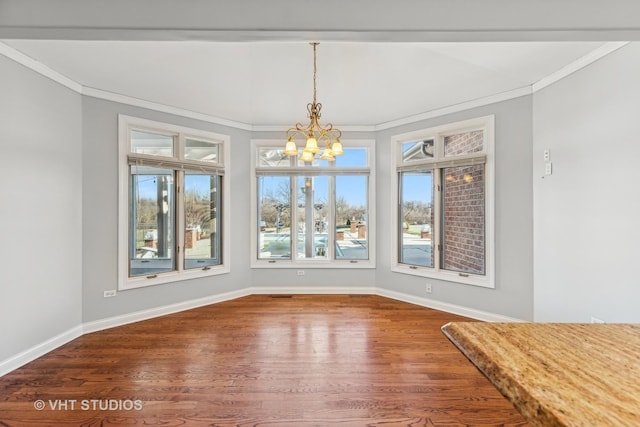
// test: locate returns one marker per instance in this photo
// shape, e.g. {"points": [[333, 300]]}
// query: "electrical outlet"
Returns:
{"points": [[109, 294], [428, 288], [596, 320], [300, 272], [546, 154]]}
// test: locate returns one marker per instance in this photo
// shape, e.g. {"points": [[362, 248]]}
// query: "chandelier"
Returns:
{"points": [[315, 134]]}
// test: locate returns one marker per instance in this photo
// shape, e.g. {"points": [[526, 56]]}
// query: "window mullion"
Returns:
{"points": [[331, 226], [293, 218], [180, 220], [179, 142], [400, 219], [437, 235]]}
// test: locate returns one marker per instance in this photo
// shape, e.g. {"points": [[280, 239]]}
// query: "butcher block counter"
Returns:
{"points": [[559, 374]]}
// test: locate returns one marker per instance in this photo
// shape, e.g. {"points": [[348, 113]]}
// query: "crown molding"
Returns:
{"points": [[578, 64], [39, 67], [573, 67], [283, 128], [163, 108], [463, 106]]}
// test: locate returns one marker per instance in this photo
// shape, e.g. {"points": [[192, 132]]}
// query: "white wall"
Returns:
{"points": [[587, 214], [40, 209]]}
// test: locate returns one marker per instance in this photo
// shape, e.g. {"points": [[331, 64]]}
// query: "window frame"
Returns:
{"points": [[179, 165], [437, 164], [331, 170]]}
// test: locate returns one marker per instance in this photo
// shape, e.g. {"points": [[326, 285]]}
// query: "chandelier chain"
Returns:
{"points": [[315, 71]]}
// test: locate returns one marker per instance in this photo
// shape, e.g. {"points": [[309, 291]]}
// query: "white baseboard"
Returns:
{"points": [[112, 322], [33, 353], [310, 290], [38, 350], [446, 307]]}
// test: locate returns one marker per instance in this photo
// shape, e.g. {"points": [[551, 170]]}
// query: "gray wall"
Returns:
{"points": [[513, 292], [40, 209], [100, 216], [586, 214], [79, 231], [60, 152], [513, 295]]}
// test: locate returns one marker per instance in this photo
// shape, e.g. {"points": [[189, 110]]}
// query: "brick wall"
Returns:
{"points": [[464, 216], [463, 143]]}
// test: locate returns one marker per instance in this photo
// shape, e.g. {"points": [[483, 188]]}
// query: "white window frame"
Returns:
{"points": [[256, 144], [125, 125], [487, 124]]}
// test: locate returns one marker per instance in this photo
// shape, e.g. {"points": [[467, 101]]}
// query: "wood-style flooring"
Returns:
{"points": [[302, 360]]}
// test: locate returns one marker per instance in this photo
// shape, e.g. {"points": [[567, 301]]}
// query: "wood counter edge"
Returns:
{"points": [[516, 393]]}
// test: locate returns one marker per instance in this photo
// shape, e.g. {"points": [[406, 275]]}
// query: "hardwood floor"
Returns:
{"points": [[307, 360]]}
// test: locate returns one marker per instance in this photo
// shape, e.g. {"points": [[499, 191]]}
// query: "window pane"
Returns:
{"points": [[463, 219], [151, 143], [274, 217], [203, 151], [417, 150], [273, 157], [464, 143], [201, 211], [353, 157], [151, 221], [313, 225], [416, 217], [352, 236]]}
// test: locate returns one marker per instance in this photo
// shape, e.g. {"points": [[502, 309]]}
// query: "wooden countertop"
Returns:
{"points": [[559, 374]]}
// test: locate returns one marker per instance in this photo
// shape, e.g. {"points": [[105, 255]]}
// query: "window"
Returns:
{"points": [[312, 215], [443, 221], [172, 203]]}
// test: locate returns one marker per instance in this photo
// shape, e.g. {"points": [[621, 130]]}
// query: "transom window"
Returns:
{"points": [[312, 214], [444, 198], [172, 200]]}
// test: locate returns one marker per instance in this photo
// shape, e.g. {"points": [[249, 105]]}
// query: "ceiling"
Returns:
{"points": [[267, 83]]}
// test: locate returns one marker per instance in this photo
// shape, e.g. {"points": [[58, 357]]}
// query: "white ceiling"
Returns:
{"points": [[270, 83]]}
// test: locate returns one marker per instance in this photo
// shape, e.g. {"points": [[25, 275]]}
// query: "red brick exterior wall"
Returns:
{"points": [[463, 143], [464, 201]]}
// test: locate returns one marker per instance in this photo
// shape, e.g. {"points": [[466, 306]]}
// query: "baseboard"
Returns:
{"points": [[311, 290], [446, 307], [112, 322], [27, 356], [41, 349]]}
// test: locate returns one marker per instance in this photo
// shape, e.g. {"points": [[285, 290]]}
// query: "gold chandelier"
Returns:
{"points": [[313, 132]]}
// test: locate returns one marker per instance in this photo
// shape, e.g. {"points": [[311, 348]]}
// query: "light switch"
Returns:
{"points": [[547, 168]]}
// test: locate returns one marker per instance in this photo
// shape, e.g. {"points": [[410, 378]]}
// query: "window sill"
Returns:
{"points": [[174, 276], [449, 276], [288, 264]]}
